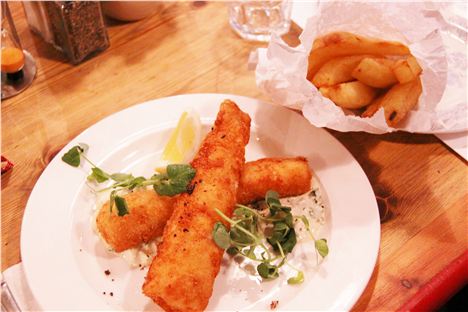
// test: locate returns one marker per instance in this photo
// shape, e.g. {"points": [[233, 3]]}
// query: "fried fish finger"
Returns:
{"points": [[149, 212], [287, 176], [182, 274]]}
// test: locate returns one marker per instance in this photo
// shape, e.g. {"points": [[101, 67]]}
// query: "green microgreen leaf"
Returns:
{"points": [[73, 156], [235, 226], [276, 209], [267, 271], [272, 198], [283, 234], [281, 228], [136, 182], [98, 175], [240, 237], [275, 238], [298, 279], [243, 212], [121, 204], [175, 180], [121, 177], [220, 235], [288, 219], [232, 251], [322, 247], [289, 242]]}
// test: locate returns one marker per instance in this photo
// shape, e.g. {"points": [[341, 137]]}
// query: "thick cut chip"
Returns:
{"points": [[351, 95], [400, 99], [343, 43], [337, 70], [374, 73], [407, 70], [373, 107]]}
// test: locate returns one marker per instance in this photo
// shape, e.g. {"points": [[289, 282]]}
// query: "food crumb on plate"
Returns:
{"points": [[274, 304]]}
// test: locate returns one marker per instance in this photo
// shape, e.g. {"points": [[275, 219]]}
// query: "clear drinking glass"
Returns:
{"points": [[257, 20]]}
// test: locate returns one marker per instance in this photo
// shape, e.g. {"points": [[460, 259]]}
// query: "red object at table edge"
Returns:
{"points": [[441, 287], [6, 165]]}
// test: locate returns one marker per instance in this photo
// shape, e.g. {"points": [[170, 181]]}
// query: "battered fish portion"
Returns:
{"points": [[149, 212], [182, 274], [287, 176]]}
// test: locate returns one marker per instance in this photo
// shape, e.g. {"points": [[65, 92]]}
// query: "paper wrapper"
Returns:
{"points": [[434, 39]]}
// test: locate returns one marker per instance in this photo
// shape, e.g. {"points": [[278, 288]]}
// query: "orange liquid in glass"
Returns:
{"points": [[12, 59]]}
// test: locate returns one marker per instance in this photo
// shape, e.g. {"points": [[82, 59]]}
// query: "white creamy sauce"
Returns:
{"points": [[310, 205], [142, 255], [139, 256]]}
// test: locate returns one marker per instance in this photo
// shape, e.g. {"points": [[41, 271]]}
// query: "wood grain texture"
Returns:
{"points": [[181, 49], [421, 189], [421, 185]]}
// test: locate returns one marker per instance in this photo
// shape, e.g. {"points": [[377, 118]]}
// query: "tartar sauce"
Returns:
{"points": [[139, 256], [309, 204]]}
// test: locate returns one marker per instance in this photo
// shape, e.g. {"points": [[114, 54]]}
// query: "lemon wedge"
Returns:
{"points": [[183, 142]]}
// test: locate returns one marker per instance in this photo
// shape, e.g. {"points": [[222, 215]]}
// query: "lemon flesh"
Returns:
{"points": [[183, 142]]}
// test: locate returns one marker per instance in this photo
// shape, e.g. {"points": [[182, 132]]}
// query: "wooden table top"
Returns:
{"points": [[420, 184]]}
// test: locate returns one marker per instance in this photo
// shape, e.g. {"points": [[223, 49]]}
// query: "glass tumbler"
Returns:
{"points": [[257, 20]]}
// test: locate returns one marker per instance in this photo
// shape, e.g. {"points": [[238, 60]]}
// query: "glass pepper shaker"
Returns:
{"points": [[75, 28]]}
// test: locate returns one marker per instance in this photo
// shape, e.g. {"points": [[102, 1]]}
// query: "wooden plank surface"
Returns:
{"points": [[188, 47]]}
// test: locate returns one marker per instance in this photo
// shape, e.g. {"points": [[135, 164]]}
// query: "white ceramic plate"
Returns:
{"points": [[65, 262]]}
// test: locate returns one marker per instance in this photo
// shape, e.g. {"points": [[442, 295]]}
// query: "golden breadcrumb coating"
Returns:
{"points": [[286, 176], [147, 217], [182, 274]]}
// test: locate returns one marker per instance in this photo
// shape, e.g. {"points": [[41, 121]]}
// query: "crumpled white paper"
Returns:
{"points": [[433, 38]]}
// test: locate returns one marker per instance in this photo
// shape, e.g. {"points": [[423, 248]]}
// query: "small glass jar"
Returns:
{"points": [[75, 28], [17, 64]]}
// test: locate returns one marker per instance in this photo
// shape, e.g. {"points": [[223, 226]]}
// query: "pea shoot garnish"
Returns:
{"points": [[175, 181], [266, 236]]}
